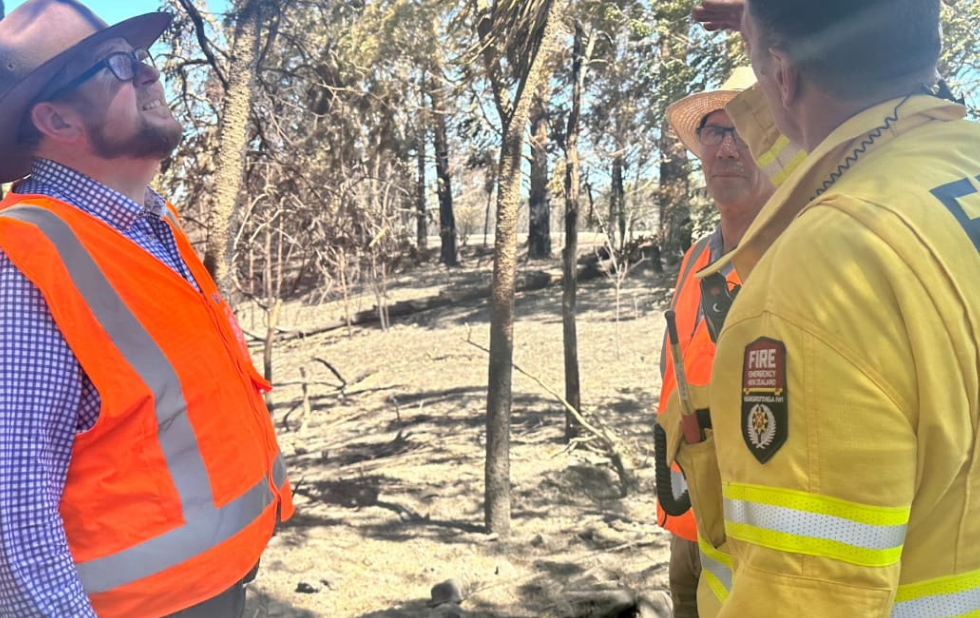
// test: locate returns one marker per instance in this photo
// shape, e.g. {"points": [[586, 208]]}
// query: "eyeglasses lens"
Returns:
{"points": [[124, 65], [714, 136]]}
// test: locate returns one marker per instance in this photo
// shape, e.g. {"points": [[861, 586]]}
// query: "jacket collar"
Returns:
{"points": [[800, 189]]}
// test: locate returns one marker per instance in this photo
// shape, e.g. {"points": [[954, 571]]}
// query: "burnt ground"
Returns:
{"points": [[388, 472]]}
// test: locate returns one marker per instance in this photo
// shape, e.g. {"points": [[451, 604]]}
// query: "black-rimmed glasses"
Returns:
{"points": [[123, 65], [711, 135]]}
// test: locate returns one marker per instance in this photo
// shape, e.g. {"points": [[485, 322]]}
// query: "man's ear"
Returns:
{"points": [[786, 75], [57, 122]]}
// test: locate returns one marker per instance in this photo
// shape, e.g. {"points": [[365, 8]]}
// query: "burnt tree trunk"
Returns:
{"points": [[422, 228], [573, 181], [539, 204], [447, 219], [224, 212], [421, 214], [486, 217], [588, 192], [497, 473], [675, 233], [514, 119], [617, 204]]}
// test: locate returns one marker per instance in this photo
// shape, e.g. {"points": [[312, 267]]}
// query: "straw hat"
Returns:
{"points": [[685, 115], [37, 39]]}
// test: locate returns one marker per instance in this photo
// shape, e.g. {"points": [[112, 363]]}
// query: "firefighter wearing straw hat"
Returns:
{"points": [[141, 474]]}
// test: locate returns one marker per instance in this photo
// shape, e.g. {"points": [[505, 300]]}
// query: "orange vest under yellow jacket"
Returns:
{"points": [[173, 494], [698, 352]]}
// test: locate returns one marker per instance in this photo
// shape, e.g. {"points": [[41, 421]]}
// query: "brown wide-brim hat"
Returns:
{"points": [[37, 39], [685, 115]]}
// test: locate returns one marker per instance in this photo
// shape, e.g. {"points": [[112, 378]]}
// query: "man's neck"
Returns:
{"points": [[129, 177], [734, 224], [825, 115], [737, 217], [822, 113]]}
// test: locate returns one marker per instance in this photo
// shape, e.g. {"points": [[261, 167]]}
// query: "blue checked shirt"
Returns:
{"points": [[46, 398]]}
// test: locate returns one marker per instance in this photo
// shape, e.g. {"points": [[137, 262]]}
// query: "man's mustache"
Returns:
{"points": [[734, 169]]}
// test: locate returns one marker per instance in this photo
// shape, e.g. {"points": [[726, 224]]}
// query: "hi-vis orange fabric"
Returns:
{"points": [[174, 493], [698, 352]]}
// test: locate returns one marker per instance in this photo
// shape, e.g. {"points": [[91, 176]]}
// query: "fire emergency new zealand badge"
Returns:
{"points": [[765, 411]]}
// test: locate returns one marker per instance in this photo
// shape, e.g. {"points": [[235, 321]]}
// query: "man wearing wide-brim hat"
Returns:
{"points": [[141, 474], [738, 189]]}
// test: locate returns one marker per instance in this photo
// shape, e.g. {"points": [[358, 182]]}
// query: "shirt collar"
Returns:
{"points": [[716, 245], [796, 193], [716, 251], [85, 193]]}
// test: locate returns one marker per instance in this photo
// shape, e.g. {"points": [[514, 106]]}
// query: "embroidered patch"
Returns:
{"points": [[765, 411]]}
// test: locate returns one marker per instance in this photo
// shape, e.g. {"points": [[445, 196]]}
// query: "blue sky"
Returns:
{"points": [[116, 10]]}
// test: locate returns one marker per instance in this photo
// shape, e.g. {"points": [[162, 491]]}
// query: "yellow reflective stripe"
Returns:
{"points": [[770, 155], [803, 523], [955, 596], [820, 505], [789, 168], [779, 161], [716, 569], [811, 546]]}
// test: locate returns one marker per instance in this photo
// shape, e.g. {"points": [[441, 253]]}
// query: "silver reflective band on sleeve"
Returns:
{"points": [[814, 525], [716, 570], [953, 605], [720, 572], [205, 525]]}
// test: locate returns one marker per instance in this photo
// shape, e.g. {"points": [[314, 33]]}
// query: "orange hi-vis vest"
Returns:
{"points": [[173, 494], [698, 352]]}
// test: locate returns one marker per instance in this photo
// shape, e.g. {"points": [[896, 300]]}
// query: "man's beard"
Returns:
{"points": [[147, 142]]}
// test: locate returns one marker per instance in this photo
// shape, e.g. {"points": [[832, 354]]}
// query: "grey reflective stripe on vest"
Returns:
{"points": [[699, 248], [279, 471], [678, 483], [206, 526], [170, 216]]}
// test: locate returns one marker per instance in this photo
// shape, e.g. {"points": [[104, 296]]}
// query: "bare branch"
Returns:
{"points": [[202, 39]]}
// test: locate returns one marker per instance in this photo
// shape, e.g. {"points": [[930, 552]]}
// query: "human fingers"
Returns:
{"points": [[719, 14]]}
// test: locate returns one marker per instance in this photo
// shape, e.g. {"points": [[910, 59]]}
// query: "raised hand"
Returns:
{"points": [[719, 14]]}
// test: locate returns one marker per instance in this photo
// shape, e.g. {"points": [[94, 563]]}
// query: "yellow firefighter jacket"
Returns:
{"points": [[842, 476]]}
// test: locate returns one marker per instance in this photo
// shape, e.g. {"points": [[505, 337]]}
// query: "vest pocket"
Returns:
{"points": [[700, 465]]}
